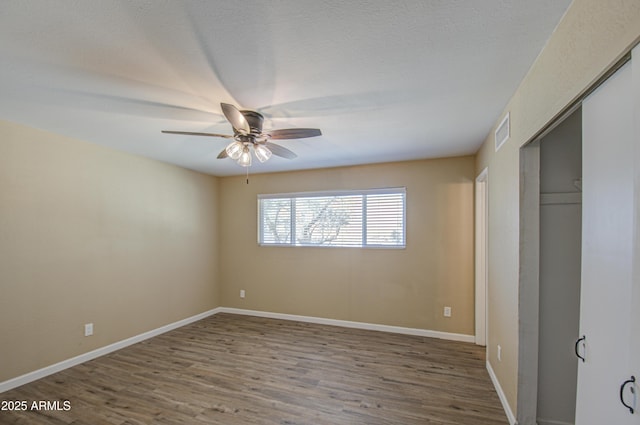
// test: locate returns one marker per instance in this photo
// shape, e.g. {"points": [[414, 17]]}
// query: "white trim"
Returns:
{"points": [[350, 324], [65, 364], [503, 398], [481, 252], [528, 283], [341, 192]]}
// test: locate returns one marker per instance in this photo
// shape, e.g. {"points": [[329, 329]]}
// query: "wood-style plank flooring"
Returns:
{"points": [[230, 369]]}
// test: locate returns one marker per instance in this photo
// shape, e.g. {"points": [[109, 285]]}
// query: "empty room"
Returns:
{"points": [[319, 212]]}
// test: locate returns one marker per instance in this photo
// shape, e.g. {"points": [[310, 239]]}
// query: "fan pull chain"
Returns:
{"points": [[247, 174]]}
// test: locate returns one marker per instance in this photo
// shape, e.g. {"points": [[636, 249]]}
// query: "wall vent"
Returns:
{"points": [[503, 132]]}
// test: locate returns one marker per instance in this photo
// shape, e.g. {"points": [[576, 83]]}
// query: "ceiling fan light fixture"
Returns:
{"points": [[262, 152], [245, 157], [248, 134], [235, 149]]}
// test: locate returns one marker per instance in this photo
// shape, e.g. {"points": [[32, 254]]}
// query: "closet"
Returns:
{"points": [[588, 316]]}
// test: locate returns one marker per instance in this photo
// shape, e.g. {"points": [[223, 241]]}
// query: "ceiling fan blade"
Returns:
{"points": [[223, 154], [191, 133], [294, 133], [235, 117], [280, 151]]}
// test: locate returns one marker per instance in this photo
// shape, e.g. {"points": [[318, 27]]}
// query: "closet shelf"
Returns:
{"points": [[560, 198]]}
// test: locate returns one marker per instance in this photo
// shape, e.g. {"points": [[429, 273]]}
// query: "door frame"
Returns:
{"points": [[481, 256], [529, 283], [529, 273]]}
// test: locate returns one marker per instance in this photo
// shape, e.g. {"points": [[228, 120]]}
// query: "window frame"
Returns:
{"points": [[328, 193]]}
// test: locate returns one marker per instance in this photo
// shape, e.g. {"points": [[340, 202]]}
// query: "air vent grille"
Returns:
{"points": [[503, 132]]}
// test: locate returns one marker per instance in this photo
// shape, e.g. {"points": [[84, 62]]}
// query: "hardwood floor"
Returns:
{"points": [[230, 369]]}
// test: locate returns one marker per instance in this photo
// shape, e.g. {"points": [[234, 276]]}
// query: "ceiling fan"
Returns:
{"points": [[248, 134]]}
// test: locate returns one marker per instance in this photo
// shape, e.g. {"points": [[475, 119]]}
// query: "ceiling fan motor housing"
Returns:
{"points": [[255, 121], [241, 121]]}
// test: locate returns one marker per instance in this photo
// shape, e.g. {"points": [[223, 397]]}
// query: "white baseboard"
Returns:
{"points": [[503, 398], [65, 364], [350, 324]]}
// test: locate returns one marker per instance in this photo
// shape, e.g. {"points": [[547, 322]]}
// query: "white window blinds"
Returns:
{"points": [[365, 218]]}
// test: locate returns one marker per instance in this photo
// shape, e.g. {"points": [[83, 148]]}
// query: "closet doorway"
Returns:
{"points": [[560, 263]]}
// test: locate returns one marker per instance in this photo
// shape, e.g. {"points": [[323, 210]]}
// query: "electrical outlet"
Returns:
{"points": [[499, 353], [447, 312], [242, 293], [88, 329]]}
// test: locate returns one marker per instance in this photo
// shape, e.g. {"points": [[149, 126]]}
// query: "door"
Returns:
{"points": [[635, 299], [607, 251]]}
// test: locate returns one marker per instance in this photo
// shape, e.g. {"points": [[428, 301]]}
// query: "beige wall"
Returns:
{"points": [[407, 287], [88, 234], [590, 38]]}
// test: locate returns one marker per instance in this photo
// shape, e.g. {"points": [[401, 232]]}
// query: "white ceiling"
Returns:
{"points": [[384, 80]]}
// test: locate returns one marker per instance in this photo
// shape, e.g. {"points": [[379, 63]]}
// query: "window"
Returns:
{"points": [[354, 218]]}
